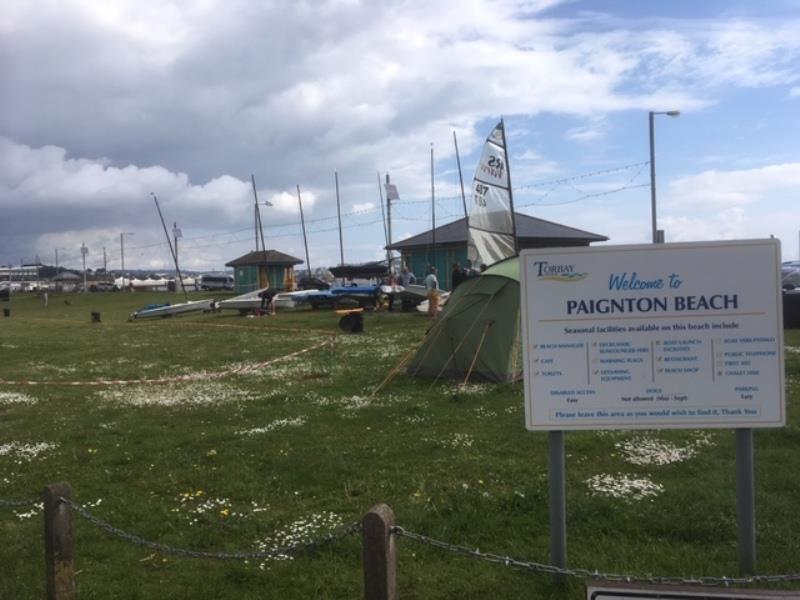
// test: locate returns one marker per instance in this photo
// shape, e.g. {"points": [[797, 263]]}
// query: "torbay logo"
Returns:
{"points": [[551, 272]]}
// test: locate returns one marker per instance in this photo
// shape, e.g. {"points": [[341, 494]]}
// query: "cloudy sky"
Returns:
{"points": [[104, 102]]}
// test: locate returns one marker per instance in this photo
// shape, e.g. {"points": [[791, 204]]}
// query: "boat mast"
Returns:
{"points": [[303, 224], [171, 250], [460, 176], [433, 213], [261, 230], [510, 193], [383, 212], [339, 215], [389, 252]]}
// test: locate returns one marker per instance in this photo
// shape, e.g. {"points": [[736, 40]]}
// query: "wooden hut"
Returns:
{"points": [[263, 268], [418, 253]]}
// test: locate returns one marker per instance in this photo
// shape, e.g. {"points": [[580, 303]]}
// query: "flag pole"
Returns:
{"points": [[261, 230]]}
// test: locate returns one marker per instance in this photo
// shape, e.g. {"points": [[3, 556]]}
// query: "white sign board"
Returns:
{"points": [[621, 591], [653, 336]]}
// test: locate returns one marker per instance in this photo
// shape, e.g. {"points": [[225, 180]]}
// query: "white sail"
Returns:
{"points": [[491, 217]]}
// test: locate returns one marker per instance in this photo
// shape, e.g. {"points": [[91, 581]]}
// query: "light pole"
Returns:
{"points": [[122, 257], [84, 252], [57, 249], [670, 113], [177, 233]]}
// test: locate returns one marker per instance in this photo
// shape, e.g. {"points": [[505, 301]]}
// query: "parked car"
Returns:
{"points": [[102, 286], [790, 282], [312, 283], [790, 275]]}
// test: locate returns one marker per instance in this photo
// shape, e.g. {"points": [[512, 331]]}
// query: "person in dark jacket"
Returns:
{"points": [[457, 276]]}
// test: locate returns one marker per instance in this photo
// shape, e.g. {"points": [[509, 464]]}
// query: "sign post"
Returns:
{"points": [[666, 336]]}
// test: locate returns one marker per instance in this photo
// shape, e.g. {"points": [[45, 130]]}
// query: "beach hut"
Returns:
{"points": [[419, 253], [263, 268]]}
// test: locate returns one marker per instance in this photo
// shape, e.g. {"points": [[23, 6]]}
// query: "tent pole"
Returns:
{"points": [[393, 373], [463, 339], [477, 352]]}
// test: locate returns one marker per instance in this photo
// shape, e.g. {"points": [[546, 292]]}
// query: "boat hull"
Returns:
{"points": [[169, 310]]}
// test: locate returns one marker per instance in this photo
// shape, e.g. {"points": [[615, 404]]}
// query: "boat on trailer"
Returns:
{"points": [[252, 301], [247, 302], [170, 310]]}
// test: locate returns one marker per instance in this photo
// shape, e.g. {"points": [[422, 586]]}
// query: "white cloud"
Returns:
{"points": [[363, 206], [730, 188], [187, 98], [794, 92], [587, 133]]}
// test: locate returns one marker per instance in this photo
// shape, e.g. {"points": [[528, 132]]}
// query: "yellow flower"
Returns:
{"points": [[224, 512]]}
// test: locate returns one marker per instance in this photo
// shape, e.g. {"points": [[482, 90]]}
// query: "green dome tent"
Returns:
{"points": [[477, 334]]}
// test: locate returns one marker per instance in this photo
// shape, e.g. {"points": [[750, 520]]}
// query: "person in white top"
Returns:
{"points": [[432, 287]]}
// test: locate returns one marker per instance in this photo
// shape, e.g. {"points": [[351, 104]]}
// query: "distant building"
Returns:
{"points": [[451, 244], [262, 268], [26, 276], [67, 282]]}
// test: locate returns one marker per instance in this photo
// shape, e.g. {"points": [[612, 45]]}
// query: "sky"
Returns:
{"points": [[105, 103]]}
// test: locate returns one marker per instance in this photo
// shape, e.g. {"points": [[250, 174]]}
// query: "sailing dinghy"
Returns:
{"points": [[169, 310]]}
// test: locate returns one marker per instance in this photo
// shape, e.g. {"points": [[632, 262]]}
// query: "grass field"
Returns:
{"points": [[300, 447]]}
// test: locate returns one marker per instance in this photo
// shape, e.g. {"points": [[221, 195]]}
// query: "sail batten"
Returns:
{"points": [[490, 224]]}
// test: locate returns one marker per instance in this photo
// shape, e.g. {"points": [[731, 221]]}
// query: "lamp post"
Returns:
{"points": [[57, 249], [122, 256], [670, 113], [84, 252], [177, 233]]}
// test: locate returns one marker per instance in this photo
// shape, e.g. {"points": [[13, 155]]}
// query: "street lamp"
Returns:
{"points": [[122, 257], [669, 113], [84, 252], [57, 249]]}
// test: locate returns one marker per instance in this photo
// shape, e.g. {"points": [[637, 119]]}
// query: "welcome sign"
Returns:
{"points": [[653, 336]]}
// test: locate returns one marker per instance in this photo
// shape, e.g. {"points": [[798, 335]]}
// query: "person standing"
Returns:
{"points": [[407, 277], [432, 289], [457, 276]]}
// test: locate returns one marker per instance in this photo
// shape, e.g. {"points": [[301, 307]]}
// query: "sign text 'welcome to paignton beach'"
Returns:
{"points": [[653, 336]]}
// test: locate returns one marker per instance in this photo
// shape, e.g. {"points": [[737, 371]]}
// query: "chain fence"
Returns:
{"points": [[329, 538], [585, 574], [474, 553]]}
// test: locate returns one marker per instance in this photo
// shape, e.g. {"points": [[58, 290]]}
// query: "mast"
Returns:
{"points": [[433, 213], [255, 211], [260, 230], [388, 227], [169, 243], [383, 213], [510, 193], [460, 177], [303, 224], [339, 215]]}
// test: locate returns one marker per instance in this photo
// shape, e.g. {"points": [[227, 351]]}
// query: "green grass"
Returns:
{"points": [[458, 466]]}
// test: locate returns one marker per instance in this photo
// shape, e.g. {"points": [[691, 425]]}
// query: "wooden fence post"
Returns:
{"points": [[59, 543], [379, 556]]}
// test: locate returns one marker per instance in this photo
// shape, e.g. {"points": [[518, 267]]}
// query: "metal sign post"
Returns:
{"points": [[656, 336], [557, 471], [746, 501]]}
